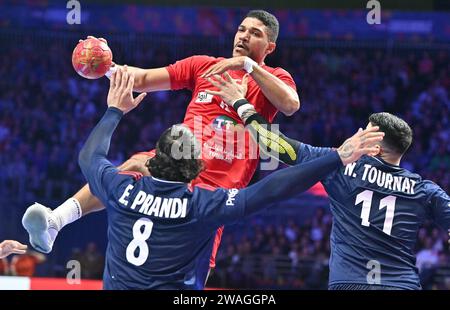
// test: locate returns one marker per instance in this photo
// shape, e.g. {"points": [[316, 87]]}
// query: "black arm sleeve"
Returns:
{"points": [[289, 182], [96, 147], [270, 140]]}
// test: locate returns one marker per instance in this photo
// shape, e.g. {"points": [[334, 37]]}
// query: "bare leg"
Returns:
{"points": [[88, 202]]}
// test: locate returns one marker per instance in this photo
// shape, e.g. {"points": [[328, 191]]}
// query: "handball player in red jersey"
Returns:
{"points": [[269, 89]]}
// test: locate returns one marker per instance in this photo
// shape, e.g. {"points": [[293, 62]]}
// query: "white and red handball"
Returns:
{"points": [[92, 58]]}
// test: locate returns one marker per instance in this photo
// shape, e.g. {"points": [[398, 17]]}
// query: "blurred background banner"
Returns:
{"points": [[344, 69], [210, 21]]}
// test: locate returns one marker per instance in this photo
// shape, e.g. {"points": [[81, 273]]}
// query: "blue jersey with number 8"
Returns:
{"points": [[160, 233]]}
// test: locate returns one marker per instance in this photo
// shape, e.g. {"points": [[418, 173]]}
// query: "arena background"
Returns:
{"points": [[344, 69]]}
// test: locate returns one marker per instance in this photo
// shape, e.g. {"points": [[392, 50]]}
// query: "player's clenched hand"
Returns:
{"points": [[120, 93], [8, 247], [228, 89], [362, 143], [234, 63]]}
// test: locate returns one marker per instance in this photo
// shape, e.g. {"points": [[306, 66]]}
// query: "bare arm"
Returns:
{"points": [[283, 97], [363, 142], [145, 80], [148, 80]]}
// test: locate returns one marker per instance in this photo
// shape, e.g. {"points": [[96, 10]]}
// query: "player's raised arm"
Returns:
{"points": [[145, 80], [272, 141], [282, 96], [120, 101], [149, 80], [280, 185], [289, 182], [277, 145]]}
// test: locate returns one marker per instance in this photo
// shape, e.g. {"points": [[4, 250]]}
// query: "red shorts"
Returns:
{"points": [[218, 237]]}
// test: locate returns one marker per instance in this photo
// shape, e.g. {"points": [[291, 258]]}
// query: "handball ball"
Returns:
{"points": [[92, 58]]}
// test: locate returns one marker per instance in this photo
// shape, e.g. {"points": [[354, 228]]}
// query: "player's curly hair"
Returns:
{"points": [[177, 156]]}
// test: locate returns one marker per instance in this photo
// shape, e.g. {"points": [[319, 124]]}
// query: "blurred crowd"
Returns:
{"points": [[47, 111], [290, 254]]}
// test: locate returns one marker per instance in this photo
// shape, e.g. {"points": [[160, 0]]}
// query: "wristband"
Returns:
{"points": [[249, 64], [238, 103], [242, 105]]}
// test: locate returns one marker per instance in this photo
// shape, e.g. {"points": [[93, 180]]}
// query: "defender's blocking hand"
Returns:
{"points": [[361, 143], [121, 91]]}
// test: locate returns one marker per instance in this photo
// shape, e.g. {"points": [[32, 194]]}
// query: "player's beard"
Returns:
{"points": [[240, 49]]}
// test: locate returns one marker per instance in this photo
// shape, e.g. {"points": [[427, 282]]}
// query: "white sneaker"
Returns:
{"points": [[41, 226]]}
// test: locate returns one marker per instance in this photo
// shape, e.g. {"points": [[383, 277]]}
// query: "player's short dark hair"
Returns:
{"points": [[177, 156], [269, 20], [398, 135]]}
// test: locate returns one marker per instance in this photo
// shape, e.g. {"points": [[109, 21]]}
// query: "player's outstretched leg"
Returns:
{"points": [[43, 224]]}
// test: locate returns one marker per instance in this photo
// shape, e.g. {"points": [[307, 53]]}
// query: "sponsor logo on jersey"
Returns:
{"points": [[231, 196], [223, 123], [203, 97]]}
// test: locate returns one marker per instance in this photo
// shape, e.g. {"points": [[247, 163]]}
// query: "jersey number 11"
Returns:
{"points": [[389, 202]]}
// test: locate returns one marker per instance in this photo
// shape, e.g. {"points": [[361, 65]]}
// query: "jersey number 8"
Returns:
{"points": [[139, 241]]}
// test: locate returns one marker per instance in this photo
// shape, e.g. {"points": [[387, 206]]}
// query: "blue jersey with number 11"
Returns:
{"points": [[378, 209]]}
